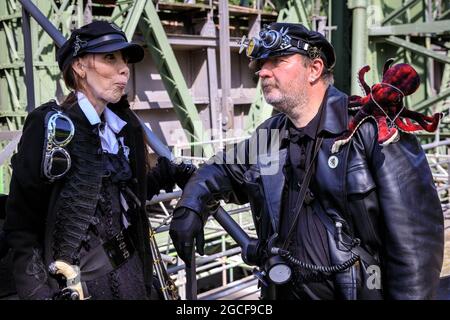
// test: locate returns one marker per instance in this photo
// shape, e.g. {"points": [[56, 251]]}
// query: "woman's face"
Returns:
{"points": [[104, 76]]}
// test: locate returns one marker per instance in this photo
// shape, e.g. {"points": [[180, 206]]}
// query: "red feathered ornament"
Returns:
{"points": [[384, 103]]}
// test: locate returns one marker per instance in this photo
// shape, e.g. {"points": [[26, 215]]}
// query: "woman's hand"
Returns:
{"points": [[166, 174]]}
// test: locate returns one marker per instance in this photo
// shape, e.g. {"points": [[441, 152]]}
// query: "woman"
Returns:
{"points": [[80, 177]]}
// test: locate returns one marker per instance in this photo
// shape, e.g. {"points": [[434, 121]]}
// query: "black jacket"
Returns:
{"points": [[29, 217], [385, 194]]}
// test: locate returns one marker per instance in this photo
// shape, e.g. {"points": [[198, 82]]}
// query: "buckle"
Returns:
{"points": [[119, 248]]}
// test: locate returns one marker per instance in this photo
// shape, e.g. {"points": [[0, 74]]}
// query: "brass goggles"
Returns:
{"points": [[59, 132], [270, 41]]}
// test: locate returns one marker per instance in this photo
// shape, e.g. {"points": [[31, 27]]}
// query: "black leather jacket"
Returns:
{"points": [[385, 194]]}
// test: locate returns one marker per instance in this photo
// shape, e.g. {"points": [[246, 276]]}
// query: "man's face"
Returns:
{"points": [[283, 81]]}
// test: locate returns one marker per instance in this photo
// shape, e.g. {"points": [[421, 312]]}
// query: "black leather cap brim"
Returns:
{"points": [[133, 51]]}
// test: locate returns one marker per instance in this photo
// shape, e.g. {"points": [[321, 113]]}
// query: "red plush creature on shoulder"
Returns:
{"points": [[384, 103]]}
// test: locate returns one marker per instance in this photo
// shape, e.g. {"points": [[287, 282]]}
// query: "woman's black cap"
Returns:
{"points": [[98, 37]]}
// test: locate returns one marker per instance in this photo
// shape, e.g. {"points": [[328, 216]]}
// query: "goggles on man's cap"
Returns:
{"points": [[281, 39]]}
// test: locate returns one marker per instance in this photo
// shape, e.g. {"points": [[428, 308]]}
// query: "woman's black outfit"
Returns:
{"points": [[74, 219]]}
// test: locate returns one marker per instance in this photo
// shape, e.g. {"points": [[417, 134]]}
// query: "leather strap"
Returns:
{"points": [[302, 193], [357, 250], [107, 257]]}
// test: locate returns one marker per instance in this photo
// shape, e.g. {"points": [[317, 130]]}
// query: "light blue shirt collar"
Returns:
{"points": [[114, 122]]}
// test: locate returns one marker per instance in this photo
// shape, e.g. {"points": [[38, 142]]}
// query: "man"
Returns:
{"points": [[364, 223]]}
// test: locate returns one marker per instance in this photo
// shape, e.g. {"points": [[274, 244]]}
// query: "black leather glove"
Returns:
{"points": [[182, 173], [186, 226], [166, 174]]}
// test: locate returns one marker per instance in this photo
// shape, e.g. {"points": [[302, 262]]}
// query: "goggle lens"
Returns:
{"points": [[59, 163], [63, 130]]}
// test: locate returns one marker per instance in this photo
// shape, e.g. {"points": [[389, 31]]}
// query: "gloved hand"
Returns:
{"points": [[186, 226], [166, 174], [183, 172]]}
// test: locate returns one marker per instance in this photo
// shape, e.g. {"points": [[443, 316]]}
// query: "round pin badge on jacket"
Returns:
{"points": [[333, 162]]}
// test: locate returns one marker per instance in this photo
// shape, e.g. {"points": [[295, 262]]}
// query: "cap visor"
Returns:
{"points": [[134, 52]]}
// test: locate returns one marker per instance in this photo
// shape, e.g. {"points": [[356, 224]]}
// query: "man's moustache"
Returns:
{"points": [[267, 85]]}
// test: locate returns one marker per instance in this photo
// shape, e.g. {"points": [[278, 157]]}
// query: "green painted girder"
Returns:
{"points": [[172, 77], [399, 42], [121, 14], [45, 69], [394, 14], [10, 16], [444, 14], [56, 20], [293, 11], [445, 82], [133, 17], [417, 28], [259, 110], [431, 101], [165, 61]]}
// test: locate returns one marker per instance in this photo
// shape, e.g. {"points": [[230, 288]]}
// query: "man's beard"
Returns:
{"points": [[290, 102]]}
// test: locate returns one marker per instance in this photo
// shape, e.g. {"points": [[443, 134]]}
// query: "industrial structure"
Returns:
{"points": [[195, 91]]}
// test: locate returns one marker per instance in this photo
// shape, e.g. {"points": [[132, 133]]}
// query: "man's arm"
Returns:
{"points": [[411, 218], [221, 179], [201, 195]]}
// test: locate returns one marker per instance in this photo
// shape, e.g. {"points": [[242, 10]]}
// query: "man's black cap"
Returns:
{"points": [[98, 37], [304, 41]]}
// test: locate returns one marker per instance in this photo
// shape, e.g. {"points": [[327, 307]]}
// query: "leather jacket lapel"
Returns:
{"points": [[273, 180]]}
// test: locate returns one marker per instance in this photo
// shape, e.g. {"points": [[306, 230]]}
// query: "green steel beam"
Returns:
{"points": [[341, 37], [171, 76], [444, 14], [433, 100], [133, 18], [14, 113], [394, 14], [13, 92], [417, 28], [166, 63], [399, 42], [128, 23], [10, 16], [297, 13], [445, 82], [260, 110], [56, 21], [117, 16], [10, 38], [359, 40]]}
